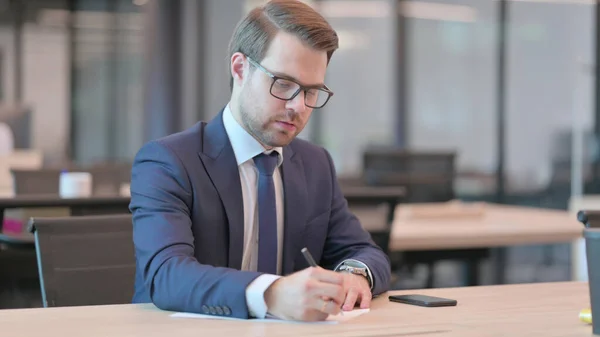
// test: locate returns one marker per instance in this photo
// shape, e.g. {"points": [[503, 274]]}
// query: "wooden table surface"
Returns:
{"points": [[549, 309], [488, 226]]}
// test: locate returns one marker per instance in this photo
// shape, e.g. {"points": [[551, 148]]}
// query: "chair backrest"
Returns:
{"points": [[108, 179], [428, 176], [85, 260], [36, 182]]}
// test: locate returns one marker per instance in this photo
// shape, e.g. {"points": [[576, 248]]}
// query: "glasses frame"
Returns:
{"points": [[324, 88]]}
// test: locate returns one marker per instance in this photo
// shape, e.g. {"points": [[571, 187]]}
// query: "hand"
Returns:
{"points": [[357, 290], [308, 295]]}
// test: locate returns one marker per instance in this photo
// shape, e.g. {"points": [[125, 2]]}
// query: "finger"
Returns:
{"points": [[326, 276], [326, 306], [334, 292], [350, 299], [365, 299]]}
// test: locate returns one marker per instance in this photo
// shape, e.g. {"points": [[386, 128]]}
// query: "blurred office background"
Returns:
{"points": [[509, 86], [504, 84]]}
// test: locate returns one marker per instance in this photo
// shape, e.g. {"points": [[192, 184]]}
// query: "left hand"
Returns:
{"points": [[357, 290]]}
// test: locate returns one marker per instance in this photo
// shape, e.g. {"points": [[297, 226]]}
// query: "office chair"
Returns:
{"points": [[107, 179], [85, 260], [427, 176], [36, 182]]}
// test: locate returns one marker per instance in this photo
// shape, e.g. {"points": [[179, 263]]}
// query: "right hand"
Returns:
{"points": [[308, 295]]}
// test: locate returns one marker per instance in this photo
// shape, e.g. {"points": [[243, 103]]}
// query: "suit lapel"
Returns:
{"points": [[296, 196], [219, 160]]}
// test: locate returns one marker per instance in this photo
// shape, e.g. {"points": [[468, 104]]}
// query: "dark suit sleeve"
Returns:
{"points": [[161, 199], [346, 239]]}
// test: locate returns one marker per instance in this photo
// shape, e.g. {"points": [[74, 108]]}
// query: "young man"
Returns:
{"points": [[222, 210]]}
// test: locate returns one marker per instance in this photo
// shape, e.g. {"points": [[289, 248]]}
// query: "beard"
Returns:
{"points": [[264, 131]]}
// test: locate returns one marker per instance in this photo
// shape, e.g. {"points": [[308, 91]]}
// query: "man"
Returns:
{"points": [[222, 210]]}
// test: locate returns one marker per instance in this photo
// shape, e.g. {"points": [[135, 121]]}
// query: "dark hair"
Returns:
{"points": [[254, 33]]}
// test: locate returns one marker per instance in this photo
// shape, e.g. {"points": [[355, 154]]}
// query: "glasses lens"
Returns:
{"points": [[284, 89], [316, 98]]}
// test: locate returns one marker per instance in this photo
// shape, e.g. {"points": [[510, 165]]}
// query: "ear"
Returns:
{"points": [[238, 67]]}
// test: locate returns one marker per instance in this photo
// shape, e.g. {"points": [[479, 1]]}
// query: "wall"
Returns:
{"points": [[362, 74], [46, 84], [221, 18], [8, 63], [452, 82], [46, 87]]}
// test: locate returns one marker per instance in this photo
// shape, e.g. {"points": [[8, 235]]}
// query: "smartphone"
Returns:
{"points": [[423, 300]]}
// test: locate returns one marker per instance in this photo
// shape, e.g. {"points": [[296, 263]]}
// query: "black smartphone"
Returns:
{"points": [[423, 300]]}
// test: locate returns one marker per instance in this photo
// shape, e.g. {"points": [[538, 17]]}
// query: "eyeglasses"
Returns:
{"points": [[287, 90]]}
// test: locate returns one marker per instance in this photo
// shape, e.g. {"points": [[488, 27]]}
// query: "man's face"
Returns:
{"points": [[272, 121]]}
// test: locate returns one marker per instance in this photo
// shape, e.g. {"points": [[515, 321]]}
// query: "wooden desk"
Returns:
{"points": [[499, 226], [372, 193], [550, 309]]}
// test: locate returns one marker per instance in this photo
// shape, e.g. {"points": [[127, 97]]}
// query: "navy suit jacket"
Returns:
{"points": [[188, 226]]}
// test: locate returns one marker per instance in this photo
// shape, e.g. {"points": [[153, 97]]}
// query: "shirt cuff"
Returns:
{"points": [[362, 264], [255, 295]]}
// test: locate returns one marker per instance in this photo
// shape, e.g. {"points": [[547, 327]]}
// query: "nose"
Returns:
{"points": [[297, 103]]}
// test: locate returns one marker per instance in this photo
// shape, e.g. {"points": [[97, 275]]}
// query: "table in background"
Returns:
{"points": [[549, 309], [96, 205], [371, 195], [99, 205], [500, 226]]}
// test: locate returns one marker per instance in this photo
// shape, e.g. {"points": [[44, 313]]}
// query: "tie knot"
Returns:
{"points": [[266, 163]]}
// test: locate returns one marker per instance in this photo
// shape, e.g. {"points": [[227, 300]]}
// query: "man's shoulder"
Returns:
{"points": [[310, 153], [304, 147], [188, 140], [191, 137]]}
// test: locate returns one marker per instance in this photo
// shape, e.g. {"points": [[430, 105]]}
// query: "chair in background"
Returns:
{"points": [[107, 179], [85, 260], [427, 176], [36, 182]]}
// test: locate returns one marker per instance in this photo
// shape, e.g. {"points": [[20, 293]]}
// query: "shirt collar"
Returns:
{"points": [[245, 147]]}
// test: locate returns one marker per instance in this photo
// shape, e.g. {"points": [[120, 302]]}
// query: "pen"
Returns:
{"points": [[311, 262], [308, 257]]}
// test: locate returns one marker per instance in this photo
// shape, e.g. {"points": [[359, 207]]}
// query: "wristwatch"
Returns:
{"points": [[356, 268]]}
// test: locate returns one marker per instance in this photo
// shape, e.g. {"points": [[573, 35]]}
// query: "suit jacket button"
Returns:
{"points": [[205, 310], [219, 311], [212, 310], [226, 311]]}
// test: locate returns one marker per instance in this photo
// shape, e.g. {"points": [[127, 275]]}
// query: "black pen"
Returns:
{"points": [[309, 258], [311, 262]]}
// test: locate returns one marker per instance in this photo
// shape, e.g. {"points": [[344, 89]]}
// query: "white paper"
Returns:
{"points": [[332, 319]]}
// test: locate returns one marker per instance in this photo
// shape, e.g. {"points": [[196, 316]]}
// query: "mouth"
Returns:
{"points": [[286, 125]]}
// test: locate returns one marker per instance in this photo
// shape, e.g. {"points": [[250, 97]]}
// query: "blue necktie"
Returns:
{"points": [[267, 213]]}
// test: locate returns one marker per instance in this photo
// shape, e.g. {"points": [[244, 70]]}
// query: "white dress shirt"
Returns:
{"points": [[245, 148]]}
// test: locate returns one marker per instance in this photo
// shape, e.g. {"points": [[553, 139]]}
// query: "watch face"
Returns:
{"points": [[353, 264], [355, 270]]}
